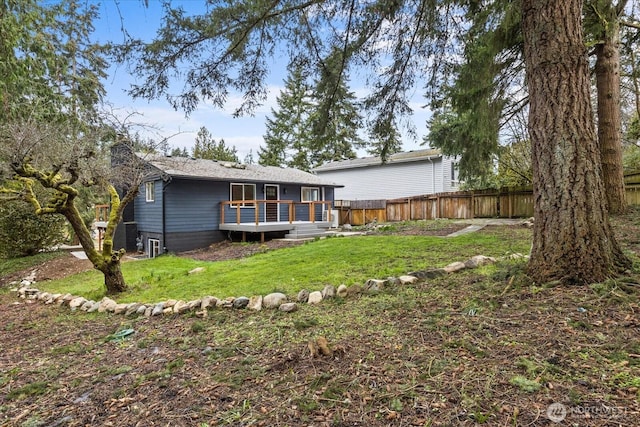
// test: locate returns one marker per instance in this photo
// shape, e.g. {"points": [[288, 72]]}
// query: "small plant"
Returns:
{"points": [[525, 384], [197, 327], [33, 389]]}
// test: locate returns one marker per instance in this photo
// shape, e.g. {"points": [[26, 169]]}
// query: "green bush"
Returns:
{"points": [[23, 233]]}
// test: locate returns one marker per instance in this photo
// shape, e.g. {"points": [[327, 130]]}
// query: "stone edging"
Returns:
{"points": [[271, 301]]}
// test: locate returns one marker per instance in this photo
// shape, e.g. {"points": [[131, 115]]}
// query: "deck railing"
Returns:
{"points": [[260, 207]]}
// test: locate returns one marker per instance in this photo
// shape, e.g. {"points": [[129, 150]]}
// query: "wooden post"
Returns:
{"points": [[256, 208]]}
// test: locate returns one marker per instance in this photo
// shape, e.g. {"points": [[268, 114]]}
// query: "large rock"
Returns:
{"points": [[132, 308], [342, 291], [120, 308], [303, 296], [374, 286], [407, 280], [288, 307], [255, 303], [158, 309], [208, 302], [315, 297], [240, 302], [107, 305], [180, 307], [274, 300], [75, 303], [454, 267], [329, 291]]}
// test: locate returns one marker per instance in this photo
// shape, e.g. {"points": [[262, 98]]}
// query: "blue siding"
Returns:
{"points": [[149, 214], [192, 205]]}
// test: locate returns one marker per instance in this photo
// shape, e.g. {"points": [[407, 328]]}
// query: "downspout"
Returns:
{"points": [[167, 181]]}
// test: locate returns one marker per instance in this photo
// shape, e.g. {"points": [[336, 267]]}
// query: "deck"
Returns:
{"points": [[263, 227]]}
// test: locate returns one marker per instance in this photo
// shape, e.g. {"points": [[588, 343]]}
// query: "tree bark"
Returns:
{"points": [[107, 263], [573, 241], [609, 117], [113, 278]]}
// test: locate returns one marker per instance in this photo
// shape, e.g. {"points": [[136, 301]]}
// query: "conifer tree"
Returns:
{"points": [[287, 139], [206, 147]]}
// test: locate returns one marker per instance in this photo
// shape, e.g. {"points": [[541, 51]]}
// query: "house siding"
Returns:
{"points": [[386, 181], [149, 214]]}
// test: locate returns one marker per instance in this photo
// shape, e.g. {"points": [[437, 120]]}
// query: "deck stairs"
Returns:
{"points": [[308, 231]]}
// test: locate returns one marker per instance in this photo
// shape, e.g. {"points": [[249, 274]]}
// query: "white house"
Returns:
{"points": [[404, 174]]}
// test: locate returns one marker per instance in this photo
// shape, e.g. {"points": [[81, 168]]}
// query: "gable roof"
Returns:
{"points": [[404, 157], [186, 167]]}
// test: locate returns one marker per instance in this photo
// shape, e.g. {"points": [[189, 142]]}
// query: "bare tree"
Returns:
{"points": [[60, 160]]}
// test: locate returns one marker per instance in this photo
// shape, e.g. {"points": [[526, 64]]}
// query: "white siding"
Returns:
{"points": [[387, 181]]}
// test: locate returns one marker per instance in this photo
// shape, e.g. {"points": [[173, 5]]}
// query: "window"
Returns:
{"points": [[310, 194], [154, 247], [455, 180], [243, 192], [150, 191]]}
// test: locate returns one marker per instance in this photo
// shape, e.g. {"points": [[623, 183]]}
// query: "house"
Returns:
{"points": [[402, 175], [188, 203]]}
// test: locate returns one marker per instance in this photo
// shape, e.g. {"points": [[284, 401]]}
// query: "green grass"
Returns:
{"points": [[311, 266], [13, 265]]}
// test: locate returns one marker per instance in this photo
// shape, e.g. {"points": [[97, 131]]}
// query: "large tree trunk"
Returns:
{"points": [[113, 278], [573, 241], [609, 117], [106, 261]]}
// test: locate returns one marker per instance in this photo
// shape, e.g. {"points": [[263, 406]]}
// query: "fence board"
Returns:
{"points": [[505, 203]]}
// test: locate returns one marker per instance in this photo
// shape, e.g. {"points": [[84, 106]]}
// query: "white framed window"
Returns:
{"points": [[310, 194], [455, 179], [241, 192], [153, 246], [150, 191]]}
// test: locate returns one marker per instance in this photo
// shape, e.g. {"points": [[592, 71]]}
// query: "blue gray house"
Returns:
{"points": [[188, 203]]}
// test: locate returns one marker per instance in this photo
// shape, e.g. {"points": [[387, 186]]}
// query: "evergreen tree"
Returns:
{"points": [[179, 152], [335, 122], [206, 147], [287, 139]]}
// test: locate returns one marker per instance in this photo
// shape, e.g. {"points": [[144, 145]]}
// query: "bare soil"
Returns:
{"points": [[463, 350]]}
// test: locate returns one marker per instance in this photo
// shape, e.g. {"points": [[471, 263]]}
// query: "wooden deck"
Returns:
{"points": [[265, 227], [262, 227]]}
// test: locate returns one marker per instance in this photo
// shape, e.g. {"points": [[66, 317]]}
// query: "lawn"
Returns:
{"points": [[332, 261]]}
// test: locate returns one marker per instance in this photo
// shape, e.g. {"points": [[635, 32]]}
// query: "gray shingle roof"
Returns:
{"points": [[404, 157], [185, 167]]}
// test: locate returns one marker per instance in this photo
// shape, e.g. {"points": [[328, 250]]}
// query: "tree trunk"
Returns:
{"points": [[609, 117], [108, 263], [113, 279], [573, 241]]}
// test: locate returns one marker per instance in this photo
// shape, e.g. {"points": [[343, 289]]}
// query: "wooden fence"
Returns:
{"points": [[504, 203]]}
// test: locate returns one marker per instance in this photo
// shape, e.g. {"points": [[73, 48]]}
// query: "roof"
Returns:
{"points": [[404, 157], [186, 167]]}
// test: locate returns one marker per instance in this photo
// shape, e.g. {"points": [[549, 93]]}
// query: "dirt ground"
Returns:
{"points": [[462, 350]]}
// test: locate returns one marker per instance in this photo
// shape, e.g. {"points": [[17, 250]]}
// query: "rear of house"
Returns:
{"points": [[190, 203]]}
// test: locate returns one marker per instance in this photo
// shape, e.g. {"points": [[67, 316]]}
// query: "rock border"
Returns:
{"points": [[274, 300]]}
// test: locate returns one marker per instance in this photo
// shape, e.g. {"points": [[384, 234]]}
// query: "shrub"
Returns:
{"points": [[23, 233]]}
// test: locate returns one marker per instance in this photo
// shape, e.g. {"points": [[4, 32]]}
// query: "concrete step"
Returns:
{"points": [[319, 233]]}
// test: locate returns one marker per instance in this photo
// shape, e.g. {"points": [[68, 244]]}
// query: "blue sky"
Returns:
{"points": [[245, 133]]}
